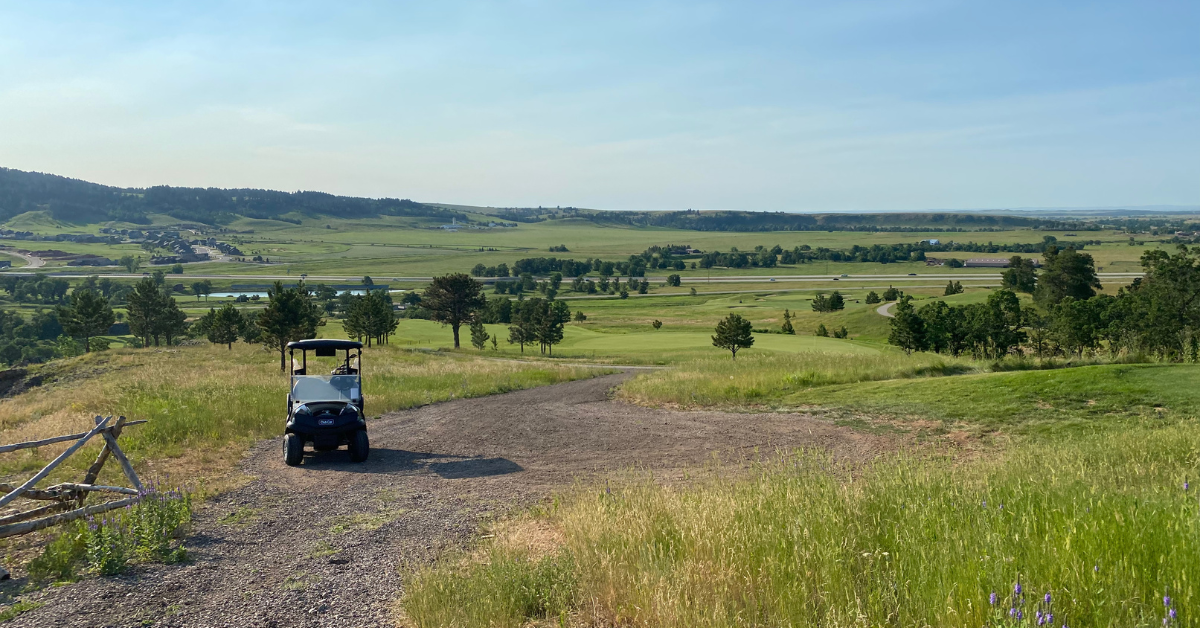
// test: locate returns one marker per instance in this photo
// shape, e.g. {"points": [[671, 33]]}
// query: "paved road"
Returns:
{"points": [[31, 261], [690, 281], [328, 543], [886, 309]]}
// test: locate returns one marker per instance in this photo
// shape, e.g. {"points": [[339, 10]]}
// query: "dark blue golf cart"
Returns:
{"points": [[325, 410]]}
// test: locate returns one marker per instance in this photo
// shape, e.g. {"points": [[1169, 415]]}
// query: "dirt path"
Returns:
{"points": [[325, 544]]}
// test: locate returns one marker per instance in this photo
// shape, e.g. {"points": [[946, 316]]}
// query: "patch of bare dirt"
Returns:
{"points": [[327, 543]]}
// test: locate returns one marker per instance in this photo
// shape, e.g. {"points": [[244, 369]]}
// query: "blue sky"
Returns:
{"points": [[627, 105]]}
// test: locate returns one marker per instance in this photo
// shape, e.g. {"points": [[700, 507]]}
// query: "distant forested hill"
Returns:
{"points": [[779, 221], [73, 200]]}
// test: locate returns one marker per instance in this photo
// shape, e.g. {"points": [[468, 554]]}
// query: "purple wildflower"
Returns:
{"points": [[1047, 597], [1017, 589], [1172, 613], [1166, 600], [1020, 615], [992, 598]]}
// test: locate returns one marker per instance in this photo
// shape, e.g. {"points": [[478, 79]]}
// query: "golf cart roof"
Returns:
{"points": [[324, 343]]}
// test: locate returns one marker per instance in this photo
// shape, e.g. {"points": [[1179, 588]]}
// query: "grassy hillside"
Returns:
{"points": [[205, 404], [1093, 530]]}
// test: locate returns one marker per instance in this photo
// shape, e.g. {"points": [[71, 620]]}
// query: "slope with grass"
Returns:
{"points": [[1093, 530], [206, 404]]}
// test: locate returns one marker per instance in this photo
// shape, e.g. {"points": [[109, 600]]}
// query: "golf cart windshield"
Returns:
{"points": [[307, 388]]}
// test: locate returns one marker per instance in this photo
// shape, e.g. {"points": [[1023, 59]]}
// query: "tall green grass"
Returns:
{"points": [[201, 400], [763, 378], [1102, 523]]}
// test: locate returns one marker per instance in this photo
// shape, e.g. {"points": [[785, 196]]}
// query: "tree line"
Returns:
{"points": [[1156, 315], [84, 202]]}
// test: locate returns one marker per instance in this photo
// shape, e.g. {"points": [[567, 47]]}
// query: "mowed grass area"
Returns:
{"points": [[1035, 401], [1101, 524], [205, 404], [640, 345]]}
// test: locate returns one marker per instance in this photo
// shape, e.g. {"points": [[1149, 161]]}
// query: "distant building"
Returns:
{"points": [[934, 261], [934, 241]]}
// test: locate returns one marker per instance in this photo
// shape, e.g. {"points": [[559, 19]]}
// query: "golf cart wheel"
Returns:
{"points": [[293, 449], [359, 446]]}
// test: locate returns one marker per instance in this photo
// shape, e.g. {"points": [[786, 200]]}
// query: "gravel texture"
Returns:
{"points": [[327, 543]]}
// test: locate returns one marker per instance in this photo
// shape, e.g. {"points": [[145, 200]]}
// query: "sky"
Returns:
{"points": [[782, 106]]}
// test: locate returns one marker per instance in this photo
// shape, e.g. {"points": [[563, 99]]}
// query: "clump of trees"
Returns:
{"points": [[153, 313], [1156, 315], [831, 303], [540, 322], [370, 317]]}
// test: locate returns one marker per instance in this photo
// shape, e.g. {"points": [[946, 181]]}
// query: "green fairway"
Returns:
{"points": [[657, 347], [1069, 399]]}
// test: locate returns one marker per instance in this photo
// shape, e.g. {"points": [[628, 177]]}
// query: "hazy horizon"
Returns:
{"points": [[847, 107]]}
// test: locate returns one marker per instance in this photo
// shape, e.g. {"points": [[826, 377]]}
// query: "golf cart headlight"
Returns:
{"points": [[302, 409], [350, 409]]}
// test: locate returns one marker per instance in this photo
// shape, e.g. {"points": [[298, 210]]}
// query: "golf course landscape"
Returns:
{"points": [[1026, 472]]}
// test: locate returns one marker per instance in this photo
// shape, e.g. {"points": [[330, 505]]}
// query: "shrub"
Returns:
{"points": [[144, 531]]}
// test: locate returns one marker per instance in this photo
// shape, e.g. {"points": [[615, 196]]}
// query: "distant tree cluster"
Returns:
{"points": [[370, 317], [782, 221], [538, 322], [831, 303], [1156, 315], [35, 289]]}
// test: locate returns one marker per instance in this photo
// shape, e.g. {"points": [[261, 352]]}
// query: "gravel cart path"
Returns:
{"points": [[326, 543]]}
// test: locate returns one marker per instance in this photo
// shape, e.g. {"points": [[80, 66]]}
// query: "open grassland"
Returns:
{"points": [[406, 246], [205, 404], [1102, 524]]}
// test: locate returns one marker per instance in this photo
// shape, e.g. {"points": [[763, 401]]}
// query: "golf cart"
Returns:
{"points": [[326, 410]]}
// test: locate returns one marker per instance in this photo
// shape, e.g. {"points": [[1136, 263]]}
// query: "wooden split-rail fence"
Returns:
{"points": [[68, 499]]}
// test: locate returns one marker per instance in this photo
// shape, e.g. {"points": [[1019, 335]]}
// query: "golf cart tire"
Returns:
{"points": [[293, 449], [359, 446]]}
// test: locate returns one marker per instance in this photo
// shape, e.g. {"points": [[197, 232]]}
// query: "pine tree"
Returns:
{"points": [[453, 300], [733, 333], [479, 335], [787, 323], [290, 315], [88, 315]]}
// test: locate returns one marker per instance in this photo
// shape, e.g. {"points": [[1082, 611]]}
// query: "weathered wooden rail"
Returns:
{"points": [[68, 498]]}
